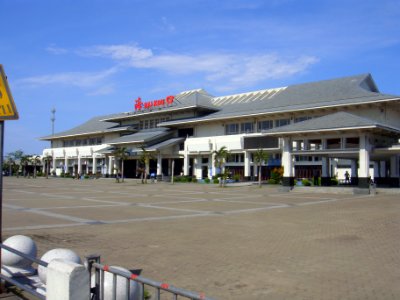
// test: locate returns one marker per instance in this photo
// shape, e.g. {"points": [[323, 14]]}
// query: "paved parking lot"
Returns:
{"points": [[231, 243]]}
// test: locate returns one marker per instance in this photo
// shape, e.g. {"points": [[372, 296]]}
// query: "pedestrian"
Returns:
{"points": [[347, 177]]}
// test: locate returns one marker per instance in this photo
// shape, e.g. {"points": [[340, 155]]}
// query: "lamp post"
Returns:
{"points": [[53, 118]]}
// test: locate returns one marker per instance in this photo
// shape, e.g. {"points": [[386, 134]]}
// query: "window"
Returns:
{"points": [[246, 127], [265, 125], [282, 122], [151, 123], [146, 124], [353, 142], [141, 125], [204, 160], [232, 128], [235, 158], [315, 144], [333, 143], [301, 119]]}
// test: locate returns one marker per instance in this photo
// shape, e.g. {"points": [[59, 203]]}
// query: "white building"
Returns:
{"points": [[311, 129]]}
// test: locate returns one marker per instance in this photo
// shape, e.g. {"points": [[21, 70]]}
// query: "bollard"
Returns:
{"points": [[67, 281]]}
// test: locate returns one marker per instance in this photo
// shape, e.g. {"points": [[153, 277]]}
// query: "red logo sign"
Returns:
{"points": [[139, 105]]}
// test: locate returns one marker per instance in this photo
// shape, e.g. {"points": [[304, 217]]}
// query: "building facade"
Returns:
{"points": [[317, 129]]}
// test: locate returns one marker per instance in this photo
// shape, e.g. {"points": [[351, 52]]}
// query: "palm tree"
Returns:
{"points": [[47, 160], [220, 157], [10, 163], [121, 154], [15, 157], [144, 159], [24, 164], [35, 160], [260, 156]]}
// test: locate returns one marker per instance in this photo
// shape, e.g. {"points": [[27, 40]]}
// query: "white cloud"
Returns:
{"points": [[79, 79], [225, 71], [56, 50]]}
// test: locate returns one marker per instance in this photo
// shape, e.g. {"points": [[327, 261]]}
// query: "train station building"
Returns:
{"points": [[318, 129]]}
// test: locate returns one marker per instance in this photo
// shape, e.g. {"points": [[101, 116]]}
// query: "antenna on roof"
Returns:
{"points": [[53, 118]]}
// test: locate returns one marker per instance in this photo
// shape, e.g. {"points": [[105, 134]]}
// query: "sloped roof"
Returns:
{"points": [[337, 121], [188, 99], [328, 93], [91, 126], [143, 136]]}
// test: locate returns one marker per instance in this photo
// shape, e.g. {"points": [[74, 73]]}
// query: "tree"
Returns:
{"points": [[144, 160], [13, 158], [24, 162], [9, 165], [259, 157], [47, 160], [35, 159], [122, 154], [220, 157]]}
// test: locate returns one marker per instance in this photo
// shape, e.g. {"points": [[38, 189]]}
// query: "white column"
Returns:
{"points": [[65, 164], [54, 164], [159, 164], [247, 156], [394, 166], [354, 171], [94, 165], [210, 166], [67, 281], [383, 169], [79, 165], [186, 162], [287, 159], [364, 157], [325, 167], [197, 167], [169, 167], [376, 169], [110, 165]]}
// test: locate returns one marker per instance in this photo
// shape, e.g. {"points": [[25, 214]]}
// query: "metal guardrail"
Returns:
{"points": [[29, 289], [93, 264], [159, 287]]}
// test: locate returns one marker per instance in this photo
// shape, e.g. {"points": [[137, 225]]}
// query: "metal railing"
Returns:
{"points": [[159, 288], [19, 283], [94, 266]]}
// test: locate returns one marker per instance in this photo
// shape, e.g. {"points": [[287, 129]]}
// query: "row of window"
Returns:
{"points": [[147, 124], [83, 142], [333, 143], [248, 127]]}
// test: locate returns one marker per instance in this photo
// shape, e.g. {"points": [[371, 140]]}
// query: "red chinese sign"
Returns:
{"points": [[139, 105]]}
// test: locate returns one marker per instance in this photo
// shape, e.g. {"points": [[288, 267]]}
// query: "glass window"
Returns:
{"points": [[282, 122], [232, 128], [151, 124], [146, 124], [333, 143], [265, 125], [141, 125], [246, 127], [301, 119], [353, 142], [315, 144]]}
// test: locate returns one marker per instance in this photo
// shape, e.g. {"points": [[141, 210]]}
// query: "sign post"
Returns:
{"points": [[8, 111]]}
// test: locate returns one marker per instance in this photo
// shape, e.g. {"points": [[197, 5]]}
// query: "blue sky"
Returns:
{"points": [[89, 58]]}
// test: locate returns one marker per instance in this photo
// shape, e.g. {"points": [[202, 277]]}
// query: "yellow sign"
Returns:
{"points": [[8, 111]]}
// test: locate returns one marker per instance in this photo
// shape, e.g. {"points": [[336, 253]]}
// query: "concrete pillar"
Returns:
{"points": [[325, 176], [67, 281], [65, 164], [169, 167], [186, 164], [394, 171], [247, 156], [287, 163], [79, 165], [54, 164], [210, 166], [110, 165], [197, 166], [364, 178], [94, 165], [159, 165], [376, 170], [382, 169]]}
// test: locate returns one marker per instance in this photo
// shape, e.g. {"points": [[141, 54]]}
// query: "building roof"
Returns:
{"points": [[143, 136], [92, 126], [198, 99], [337, 121], [321, 94]]}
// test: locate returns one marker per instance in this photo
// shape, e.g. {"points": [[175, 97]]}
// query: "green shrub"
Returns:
{"points": [[272, 181], [207, 180], [306, 182], [86, 176], [216, 180], [236, 177], [194, 180], [334, 181]]}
